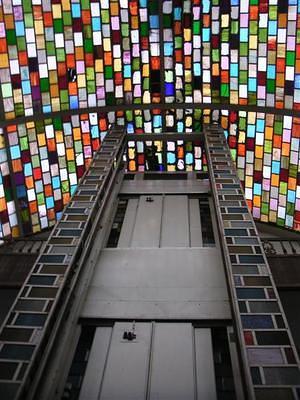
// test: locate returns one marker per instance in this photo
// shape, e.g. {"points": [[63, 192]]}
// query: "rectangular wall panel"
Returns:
{"points": [[94, 372], [205, 374], [195, 223], [148, 221], [128, 223], [169, 361], [175, 222], [172, 363], [126, 370]]}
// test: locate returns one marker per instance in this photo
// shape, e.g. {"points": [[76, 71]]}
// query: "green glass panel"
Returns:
{"points": [[64, 96], [21, 43], [60, 54], [110, 99], [67, 18], [153, 7], [125, 29], [91, 87], [105, 16], [178, 42], [233, 153], [242, 124], [6, 90], [215, 55], [243, 77], [88, 45], [139, 121], [262, 35], [28, 20], [293, 171], [167, 21], [65, 186], [90, 74], [19, 109], [87, 32], [268, 146], [224, 90], [71, 166], [135, 64], [253, 27], [85, 4], [280, 221], [11, 37], [290, 58], [24, 143], [234, 27], [35, 161], [290, 208], [39, 126], [265, 209], [251, 98], [196, 27], [78, 147], [272, 12], [283, 188], [50, 48], [27, 5], [65, 106], [40, 199], [278, 126], [243, 49], [108, 72], [189, 146], [215, 96], [44, 84], [225, 35], [57, 123], [129, 115], [270, 86], [144, 29], [25, 215], [8, 194], [58, 26]]}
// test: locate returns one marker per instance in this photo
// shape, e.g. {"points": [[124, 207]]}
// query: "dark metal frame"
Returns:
{"points": [[160, 106]]}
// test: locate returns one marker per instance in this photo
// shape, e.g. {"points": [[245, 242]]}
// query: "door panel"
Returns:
{"points": [[165, 361]]}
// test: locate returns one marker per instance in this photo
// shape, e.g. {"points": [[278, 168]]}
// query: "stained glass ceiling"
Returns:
{"points": [[69, 68]]}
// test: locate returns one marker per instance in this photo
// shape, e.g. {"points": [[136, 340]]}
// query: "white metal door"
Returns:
{"points": [[165, 361]]}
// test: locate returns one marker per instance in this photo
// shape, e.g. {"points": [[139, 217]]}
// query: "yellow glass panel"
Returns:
{"points": [[56, 10]]}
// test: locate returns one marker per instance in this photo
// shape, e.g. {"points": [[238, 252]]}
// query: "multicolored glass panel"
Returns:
{"points": [[48, 157], [8, 218], [93, 57], [84, 53]]}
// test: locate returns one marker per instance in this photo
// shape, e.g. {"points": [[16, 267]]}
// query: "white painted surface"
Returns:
{"points": [[94, 372], [128, 223], [146, 232], [158, 283], [166, 361], [189, 186], [175, 222], [205, 374], [126, 371], [195, 223], [172, 366]]}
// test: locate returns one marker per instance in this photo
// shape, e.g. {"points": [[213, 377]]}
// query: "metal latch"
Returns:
{"points": [[130, 335]]}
